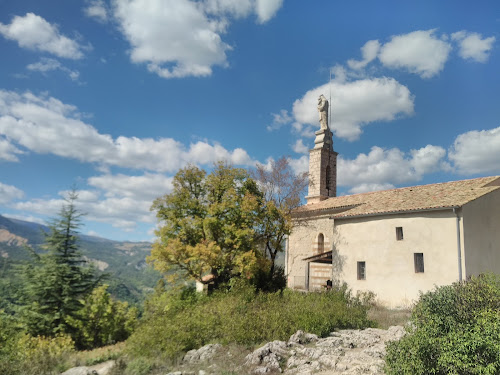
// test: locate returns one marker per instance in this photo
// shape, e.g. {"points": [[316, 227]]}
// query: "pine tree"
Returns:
{"points": [[59, 278]]}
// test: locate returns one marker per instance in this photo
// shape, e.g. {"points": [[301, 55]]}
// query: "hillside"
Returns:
{"points": [[129, 276]]}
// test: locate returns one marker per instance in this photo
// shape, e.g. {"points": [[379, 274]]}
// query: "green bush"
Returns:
{"points": [[454, 329], [176, 322], [27, 355]]}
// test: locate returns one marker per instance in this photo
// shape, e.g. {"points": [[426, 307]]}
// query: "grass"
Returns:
{"points": [[95, 356], [385, 318]]}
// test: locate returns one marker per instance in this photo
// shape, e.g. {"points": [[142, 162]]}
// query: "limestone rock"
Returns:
{"points": [[99, 369], [301, 337], [268, 357], [202, 354]]}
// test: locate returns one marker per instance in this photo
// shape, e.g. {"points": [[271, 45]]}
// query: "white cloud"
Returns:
{"points": [[299, 147], [35, 33], [477, 152], [119, 200], [367, 187], [45, 125], [473, 46], [369, 52], [300, 165], [419, 52], [235, 8], [46, 65], [174, 37], [8, 193], [280, 119], [382, 168], [356, 104], [181, 38], [266, 9], [97, 10], [8, 151], [30, 218], [146, 187]]}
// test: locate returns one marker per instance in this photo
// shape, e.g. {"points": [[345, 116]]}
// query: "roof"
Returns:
{"points": [[407, 199]]}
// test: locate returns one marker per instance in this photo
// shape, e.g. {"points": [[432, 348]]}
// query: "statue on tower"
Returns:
{"points": [[323, 112]]}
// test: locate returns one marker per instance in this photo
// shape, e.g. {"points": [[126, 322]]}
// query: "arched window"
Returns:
{"points": [[321, 243]]}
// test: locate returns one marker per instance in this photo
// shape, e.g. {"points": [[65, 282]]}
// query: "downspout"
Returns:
{"points": [[459, 246], [286, 261]]}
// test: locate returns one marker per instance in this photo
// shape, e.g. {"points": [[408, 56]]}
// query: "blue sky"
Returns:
{"points": [[115, 96]]}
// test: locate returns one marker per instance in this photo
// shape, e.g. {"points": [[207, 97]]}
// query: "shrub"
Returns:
{"points": [[27, 355], [175, 322], [454, 329]]}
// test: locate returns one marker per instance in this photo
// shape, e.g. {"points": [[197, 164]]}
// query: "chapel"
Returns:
{"points": [[395, 243]]}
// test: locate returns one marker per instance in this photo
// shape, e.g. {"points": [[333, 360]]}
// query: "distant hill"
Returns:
{"points": [[130, 278]]}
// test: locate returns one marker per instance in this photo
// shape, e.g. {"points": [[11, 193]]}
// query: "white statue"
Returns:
{"points": [[323, 112]]}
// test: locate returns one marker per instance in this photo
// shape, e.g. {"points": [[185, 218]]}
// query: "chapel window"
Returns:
{"points": [[399, 233], [321, 243], [361, 270], [418, 259]]}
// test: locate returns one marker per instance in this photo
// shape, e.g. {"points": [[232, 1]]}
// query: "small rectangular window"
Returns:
{"points": [[361, 270], [399, 233], [418, 259]]}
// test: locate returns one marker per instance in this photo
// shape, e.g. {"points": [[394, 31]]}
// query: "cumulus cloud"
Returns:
{"points": [[8, 152], [97, 10], [420, 52], [146, 187], [280, 119], [369, 52], [8, 193], [180, 38], [476, 152], [46, 65], [46, 125], [299, 147], [120, 200], [35, 33], [472, 46], [266, 9], [356, 104], [384, 168]]}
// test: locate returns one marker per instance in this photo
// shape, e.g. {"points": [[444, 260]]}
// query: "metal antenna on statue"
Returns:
{"points": [[330, 102]]}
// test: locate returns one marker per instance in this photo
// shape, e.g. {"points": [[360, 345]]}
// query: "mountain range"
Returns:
{"points": [[129, 276]]}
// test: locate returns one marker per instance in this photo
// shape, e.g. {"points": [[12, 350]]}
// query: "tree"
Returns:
{"points": [[58, 279], [209, 225], [282, 191], [103, 320]]}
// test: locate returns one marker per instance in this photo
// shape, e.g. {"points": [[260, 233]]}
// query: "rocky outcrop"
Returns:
{"points": [[343, 352], [100, 369]]}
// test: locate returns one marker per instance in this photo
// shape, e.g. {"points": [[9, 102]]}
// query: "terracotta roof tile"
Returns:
{"points": [[414, 198]]}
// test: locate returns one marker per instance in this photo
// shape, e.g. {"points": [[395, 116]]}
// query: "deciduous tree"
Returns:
{"points": [[282, 191], [209, 225]]}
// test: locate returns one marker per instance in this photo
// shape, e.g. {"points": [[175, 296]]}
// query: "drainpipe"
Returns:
{"points": [[286, 260], [459, 248]]}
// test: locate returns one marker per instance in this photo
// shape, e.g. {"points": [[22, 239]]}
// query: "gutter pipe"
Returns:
{"points": [[459, 246]]}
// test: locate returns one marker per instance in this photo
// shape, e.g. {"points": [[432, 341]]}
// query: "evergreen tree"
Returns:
{"points": [[58, 279]]}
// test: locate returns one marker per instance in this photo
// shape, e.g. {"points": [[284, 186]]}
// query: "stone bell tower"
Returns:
{"points": [[322, 160]]}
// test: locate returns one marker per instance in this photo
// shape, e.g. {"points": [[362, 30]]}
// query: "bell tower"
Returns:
{"points": [[322, 160]]}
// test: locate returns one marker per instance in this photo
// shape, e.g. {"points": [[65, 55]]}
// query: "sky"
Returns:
{"points": [[115, 96]]}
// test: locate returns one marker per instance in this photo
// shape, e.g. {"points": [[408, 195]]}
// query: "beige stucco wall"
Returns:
{"points": [[302, 243], [481, 224], [390, 271]]}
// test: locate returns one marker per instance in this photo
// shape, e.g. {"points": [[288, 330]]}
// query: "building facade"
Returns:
{"points": [[394, 243]]}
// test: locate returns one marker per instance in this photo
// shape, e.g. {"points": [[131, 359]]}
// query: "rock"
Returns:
{"points": [[99, 369], [269, 356], [203, 354], [301, 337]]}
